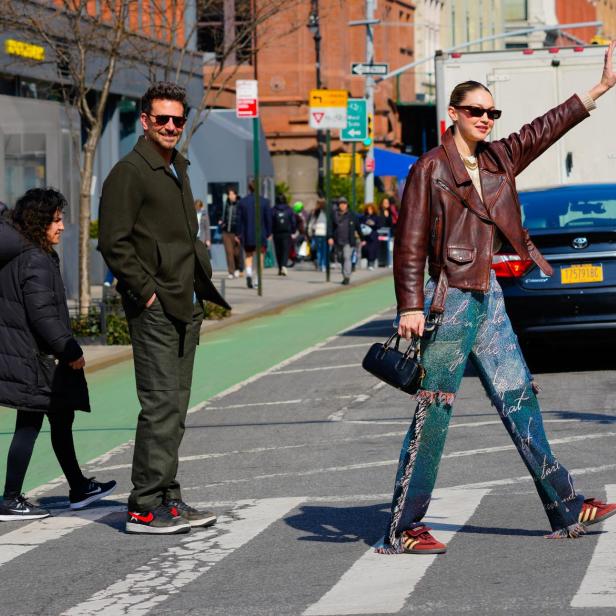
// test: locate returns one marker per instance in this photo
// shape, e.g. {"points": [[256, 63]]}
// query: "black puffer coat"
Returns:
{"points": [[36, 342]]}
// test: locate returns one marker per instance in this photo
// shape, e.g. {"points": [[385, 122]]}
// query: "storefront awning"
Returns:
{"points": [[394, 164]]}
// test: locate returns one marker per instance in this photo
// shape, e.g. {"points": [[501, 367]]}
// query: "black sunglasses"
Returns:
{"points": [[477, 112], [162, 120]]}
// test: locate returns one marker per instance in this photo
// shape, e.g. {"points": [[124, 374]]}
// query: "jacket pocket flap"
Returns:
{"points": [[460, 254]]}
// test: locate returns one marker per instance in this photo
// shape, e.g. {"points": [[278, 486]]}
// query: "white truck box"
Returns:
{"points": [[526, 83]]}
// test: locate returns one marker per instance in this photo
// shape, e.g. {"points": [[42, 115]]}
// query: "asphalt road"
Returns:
{"points": [[299, 462]]}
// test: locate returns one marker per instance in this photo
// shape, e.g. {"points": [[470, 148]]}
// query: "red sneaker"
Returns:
{"points": [[595, 511], [419, 541]]}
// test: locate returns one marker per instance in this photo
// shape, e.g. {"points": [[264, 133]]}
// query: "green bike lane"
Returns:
{"points": [[224, 358]]}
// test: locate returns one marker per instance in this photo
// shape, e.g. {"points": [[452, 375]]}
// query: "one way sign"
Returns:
{"points": [[359, 68]]}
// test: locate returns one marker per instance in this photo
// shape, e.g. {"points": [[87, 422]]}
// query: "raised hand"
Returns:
{"points": [[608, 76]]}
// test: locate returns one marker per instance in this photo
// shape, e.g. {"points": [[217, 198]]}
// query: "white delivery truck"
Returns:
{"points": [[526, 83]]}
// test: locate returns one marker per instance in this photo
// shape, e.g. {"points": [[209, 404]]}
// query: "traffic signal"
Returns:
{"points": [[370, 138]]}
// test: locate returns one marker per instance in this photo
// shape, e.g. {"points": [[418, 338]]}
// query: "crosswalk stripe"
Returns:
{"points": [[163, 575], [381, 584], [598, 588], [17, 542]]}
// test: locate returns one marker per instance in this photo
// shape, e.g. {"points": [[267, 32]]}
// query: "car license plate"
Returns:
{"points": [[576, 274]]}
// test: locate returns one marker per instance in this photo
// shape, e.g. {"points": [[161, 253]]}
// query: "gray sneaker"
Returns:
{"points": [[159, 521], [191, 515], [19, 508]]}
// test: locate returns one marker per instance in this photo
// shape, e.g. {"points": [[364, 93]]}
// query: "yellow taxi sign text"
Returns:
{"points": [[24, 50]]}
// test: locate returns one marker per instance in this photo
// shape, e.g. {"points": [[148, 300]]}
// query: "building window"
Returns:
{"points": [[516, 10], [24, 164], [225, 29]]}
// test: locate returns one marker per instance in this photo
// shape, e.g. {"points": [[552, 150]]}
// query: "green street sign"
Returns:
{"points": [[357, 121]]}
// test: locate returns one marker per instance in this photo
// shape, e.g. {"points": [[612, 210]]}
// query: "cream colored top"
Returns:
{"points": [[590, 105]]}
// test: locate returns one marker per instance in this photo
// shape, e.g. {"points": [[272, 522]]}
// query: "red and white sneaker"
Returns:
{"points": [[595, 511], [419, 541]]}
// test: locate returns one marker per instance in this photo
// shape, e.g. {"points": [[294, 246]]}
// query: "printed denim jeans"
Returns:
{"points": [[476, 327]]}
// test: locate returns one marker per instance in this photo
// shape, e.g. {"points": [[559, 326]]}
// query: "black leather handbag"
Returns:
{"points": [[400, 370]]}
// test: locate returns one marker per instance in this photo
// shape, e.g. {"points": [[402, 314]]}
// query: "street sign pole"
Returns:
{"points": [[369, 90], [353, 178], [257, 193], [328, 199]]}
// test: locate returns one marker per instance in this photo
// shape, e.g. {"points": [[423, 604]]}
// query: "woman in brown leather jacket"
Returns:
{"points": [[459, 203]]}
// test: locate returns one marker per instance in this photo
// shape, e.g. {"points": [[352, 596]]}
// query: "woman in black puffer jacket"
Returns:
{"points": [[41, 363]]}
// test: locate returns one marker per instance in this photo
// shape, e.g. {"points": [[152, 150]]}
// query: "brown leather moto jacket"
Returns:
{"points": [[443, 219]]}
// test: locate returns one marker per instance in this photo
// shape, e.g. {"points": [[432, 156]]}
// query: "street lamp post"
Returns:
{"points": [[315, 30]]}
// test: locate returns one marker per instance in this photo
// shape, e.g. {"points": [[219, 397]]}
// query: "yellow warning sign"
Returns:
{"points": [[328, 98]]}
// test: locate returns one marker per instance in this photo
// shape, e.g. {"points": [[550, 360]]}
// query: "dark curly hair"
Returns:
{"points": [[35, 211], [163, 90]]}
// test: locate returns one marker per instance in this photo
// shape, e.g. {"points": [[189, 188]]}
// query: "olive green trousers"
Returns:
{"points": [[164, 354]]}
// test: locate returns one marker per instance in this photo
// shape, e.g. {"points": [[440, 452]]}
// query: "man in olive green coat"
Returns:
{"points": [[148, 237]]}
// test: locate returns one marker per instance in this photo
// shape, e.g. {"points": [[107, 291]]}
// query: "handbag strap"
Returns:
{"points": [[413, 350]]}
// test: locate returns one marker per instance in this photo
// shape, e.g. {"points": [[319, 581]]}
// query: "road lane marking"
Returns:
{"points": [[356, 397], [345, 346], [469, 424], [382, 584], [381, 463], [257, 450], [555, 441], [164, 575], [22, 540], [317, 369], [598, 588]]}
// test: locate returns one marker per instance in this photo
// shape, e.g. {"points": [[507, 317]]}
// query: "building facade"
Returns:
{"points": [[285, 66]]}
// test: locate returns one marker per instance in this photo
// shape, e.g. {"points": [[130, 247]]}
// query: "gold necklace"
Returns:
{"points": [[470, 162]]}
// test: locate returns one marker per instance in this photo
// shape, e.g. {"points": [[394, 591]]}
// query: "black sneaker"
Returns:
{"points": [[20, 508], [91, 492], [160, 521], [193, 516]]}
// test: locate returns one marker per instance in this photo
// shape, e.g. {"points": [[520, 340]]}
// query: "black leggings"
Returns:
{"points": [[27, 427]]}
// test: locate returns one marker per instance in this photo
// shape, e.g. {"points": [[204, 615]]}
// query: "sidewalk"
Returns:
{"points": [[279, 292]]}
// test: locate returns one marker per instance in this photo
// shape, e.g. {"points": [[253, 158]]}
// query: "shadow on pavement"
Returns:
{"points": [[341, 524], [367, 524]]}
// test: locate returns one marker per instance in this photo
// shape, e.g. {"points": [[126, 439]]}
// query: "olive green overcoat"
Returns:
{"points": [[148, 233]]}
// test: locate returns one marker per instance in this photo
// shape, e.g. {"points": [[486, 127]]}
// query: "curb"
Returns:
{"points": [[210, 326]]}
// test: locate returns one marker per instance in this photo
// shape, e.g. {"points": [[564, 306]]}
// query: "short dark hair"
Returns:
{"points": [[163, 90], [35, 211], [458, 94]]}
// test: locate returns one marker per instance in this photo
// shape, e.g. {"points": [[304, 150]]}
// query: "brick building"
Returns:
{"points": [[285, 68]]}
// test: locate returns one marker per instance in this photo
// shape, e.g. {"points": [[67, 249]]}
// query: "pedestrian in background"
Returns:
{"points": [[343, 237], [389, 213], [297, 241], [246, 230], [41, 363], [459, 203], [203, 222], [228, 224], [283, 227], [148, 237], [317, 231], [370, 223]]}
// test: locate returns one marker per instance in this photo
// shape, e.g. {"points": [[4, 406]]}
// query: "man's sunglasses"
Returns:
{"points": [[477, 112], [162, 120]]}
